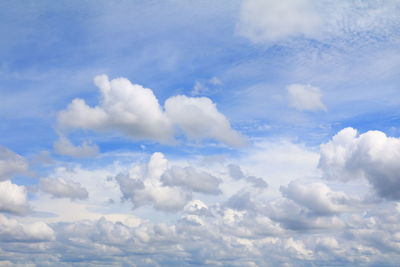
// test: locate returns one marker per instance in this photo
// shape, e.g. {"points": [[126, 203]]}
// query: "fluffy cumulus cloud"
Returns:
{"points": [[318, 198], [199, 118], [267, 20], [63, 146], [11, 164], [166, 188], [12, 230], [192, 179], [372, 156], [126, 107], [13, 198], [61, 188], [305, 97], [135, 111]]}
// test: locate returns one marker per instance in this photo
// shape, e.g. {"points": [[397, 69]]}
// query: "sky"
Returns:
{"points": [[200, 133]]}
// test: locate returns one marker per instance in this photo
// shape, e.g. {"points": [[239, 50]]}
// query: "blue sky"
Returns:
{"points": [[211, 133]]}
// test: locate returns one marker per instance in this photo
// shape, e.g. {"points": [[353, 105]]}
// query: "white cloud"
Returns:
{"points": [[372, 156], [129, 108], [299, 218], [13, 198], [305, 97], [63, 146], [319, 198], [163, 187], [61, 188], [11, 163], [268, 20], [143, 186], [199, 118], [12, 230], [135, 111], [192, 179]]}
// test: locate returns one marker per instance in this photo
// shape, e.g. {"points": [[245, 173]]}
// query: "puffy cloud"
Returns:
{"points": [[12, 230], [164, 187], [192, 179], [199, 118], [161, 197], [126, 107], [135, 111], [372, 156], [296, 217], [13, 198], [61, 188], [11, 163], [63, 146], [267, 20], [197, 207], [143, 186], [319, 198], [305, 97]]}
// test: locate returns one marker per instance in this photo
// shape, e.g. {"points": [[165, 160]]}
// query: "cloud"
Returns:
{"points": [[126, 107], [11, 164], [135, 111], [13, 198], [205, 87], [192, 179], [295, 217], [199, 118], [305, 97], [267, 20], [61, 188], [165, 188], [143, 186], [319, 198], [257, 182], [372, 156], [235, 171], [63, 146], [197, 207], [241, 201], [13, 231]]}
